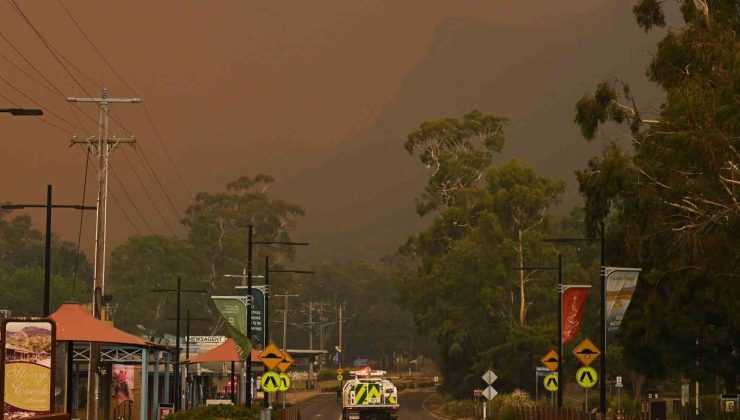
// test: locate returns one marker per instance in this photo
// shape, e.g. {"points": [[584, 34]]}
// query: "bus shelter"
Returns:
{"points": [[123, 393], [226, 353]]}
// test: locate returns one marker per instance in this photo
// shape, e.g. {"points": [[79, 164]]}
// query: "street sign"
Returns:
{"points": [[489, 377], [340, 378], [618, 383], [340, 371], [284, 382], [477, 392], [271, 356], [286, 363], [551, 360], [490, 393], [551, 382], [271, 382], [587, 377], [684, 395], [542, 371], [586, 352]]}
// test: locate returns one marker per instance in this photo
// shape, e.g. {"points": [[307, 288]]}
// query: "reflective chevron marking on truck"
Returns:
{"points": [[391, 400], [361, 394], [373, 394]]}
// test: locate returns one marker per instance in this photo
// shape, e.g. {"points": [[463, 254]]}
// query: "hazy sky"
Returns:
{"points": [[318, 94]]}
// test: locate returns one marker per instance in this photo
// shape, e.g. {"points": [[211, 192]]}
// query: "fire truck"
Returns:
{"points": [[369, 395]]}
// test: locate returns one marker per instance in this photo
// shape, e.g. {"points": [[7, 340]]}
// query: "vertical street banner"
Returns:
{"points": [[234, 310], [258, 311], [574, 299], [620, 286], [27, 367]]}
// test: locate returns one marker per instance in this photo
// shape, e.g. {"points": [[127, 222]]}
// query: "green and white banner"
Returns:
{"points": [[620, 286], [234, 310]]}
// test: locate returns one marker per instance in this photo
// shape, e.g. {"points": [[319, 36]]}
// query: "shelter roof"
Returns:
{"points": [[74, 323]]}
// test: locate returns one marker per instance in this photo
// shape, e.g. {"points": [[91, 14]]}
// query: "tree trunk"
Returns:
{"points": [[638, 380], [522, 277]]}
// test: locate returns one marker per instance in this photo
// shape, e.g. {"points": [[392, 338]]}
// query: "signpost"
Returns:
{"points": [[489, 378], [586, 352], [271, 356], [551, 361], [618, 384]]}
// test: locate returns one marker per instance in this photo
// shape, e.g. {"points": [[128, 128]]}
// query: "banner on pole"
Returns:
{"points": [[234, 310], [574, 299], [620, 286], [258, 311]]}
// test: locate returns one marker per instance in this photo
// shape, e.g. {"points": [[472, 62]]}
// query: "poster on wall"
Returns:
{"points": [[122, 386], [27, 367]]}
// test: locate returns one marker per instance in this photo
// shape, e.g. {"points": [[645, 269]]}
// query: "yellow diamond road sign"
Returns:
{"points": [[551, 360], [286, 363], [271, 356], [587, 377], [271, 382], [586, 352], [340, 371]]}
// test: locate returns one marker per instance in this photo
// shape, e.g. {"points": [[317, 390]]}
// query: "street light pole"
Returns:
{"points": [[179, 290], [559, 269], [47, 250], [602, 281]]}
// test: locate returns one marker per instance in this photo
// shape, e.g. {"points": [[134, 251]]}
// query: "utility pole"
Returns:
{"points": [[340, 348], [285, 318], [102, 146]]}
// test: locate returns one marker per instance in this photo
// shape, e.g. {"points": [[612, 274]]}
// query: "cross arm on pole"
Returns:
{"points": [[287, 243], [43, 206]]}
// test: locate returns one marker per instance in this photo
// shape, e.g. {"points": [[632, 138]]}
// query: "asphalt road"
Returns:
{"points": [[325, 406]]}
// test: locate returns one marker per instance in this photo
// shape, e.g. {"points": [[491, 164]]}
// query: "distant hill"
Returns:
{"points": [[533, 75]]}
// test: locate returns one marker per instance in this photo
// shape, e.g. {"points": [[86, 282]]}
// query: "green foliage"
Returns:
{"points": [[507, 406], [672, 201], [460, 409], [466, 293], [217, 412], [22, 273]]}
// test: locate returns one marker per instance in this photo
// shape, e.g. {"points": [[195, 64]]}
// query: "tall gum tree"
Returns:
{"points": [[674, 193]]}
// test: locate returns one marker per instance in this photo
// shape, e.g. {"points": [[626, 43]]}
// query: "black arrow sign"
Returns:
{"points": [[590, 378], [271, 379]]}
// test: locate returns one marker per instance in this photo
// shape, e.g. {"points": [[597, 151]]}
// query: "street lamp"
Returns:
{"points": [[47, 252], [602, 279], [22, 112], [250, 243], [178, 290], [559, 269]]}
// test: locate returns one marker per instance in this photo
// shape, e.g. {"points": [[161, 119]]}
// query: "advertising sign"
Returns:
{"points": [[27, 367], [122, 383], [574, 299], [620, 286]]}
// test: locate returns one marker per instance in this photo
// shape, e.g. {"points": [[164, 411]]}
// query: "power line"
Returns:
{"points": [[79, 234], [125, 192], [159, 183], [38, 103], [158, 135], [136, 173], [13, 4]]}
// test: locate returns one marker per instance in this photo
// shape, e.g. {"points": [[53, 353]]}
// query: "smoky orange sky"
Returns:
{"points": [[319, 95]]}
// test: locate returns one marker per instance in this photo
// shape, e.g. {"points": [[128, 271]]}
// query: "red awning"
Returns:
{"points": [[75, 324], [225, 352]]}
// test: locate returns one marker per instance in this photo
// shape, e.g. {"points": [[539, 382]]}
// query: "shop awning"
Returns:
{"points": [[225, 352], [75, 324]]}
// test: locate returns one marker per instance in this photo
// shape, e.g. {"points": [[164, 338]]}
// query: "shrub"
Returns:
{"points": [[507, 405], [327, 375], [459, 409], [217, 412]]}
